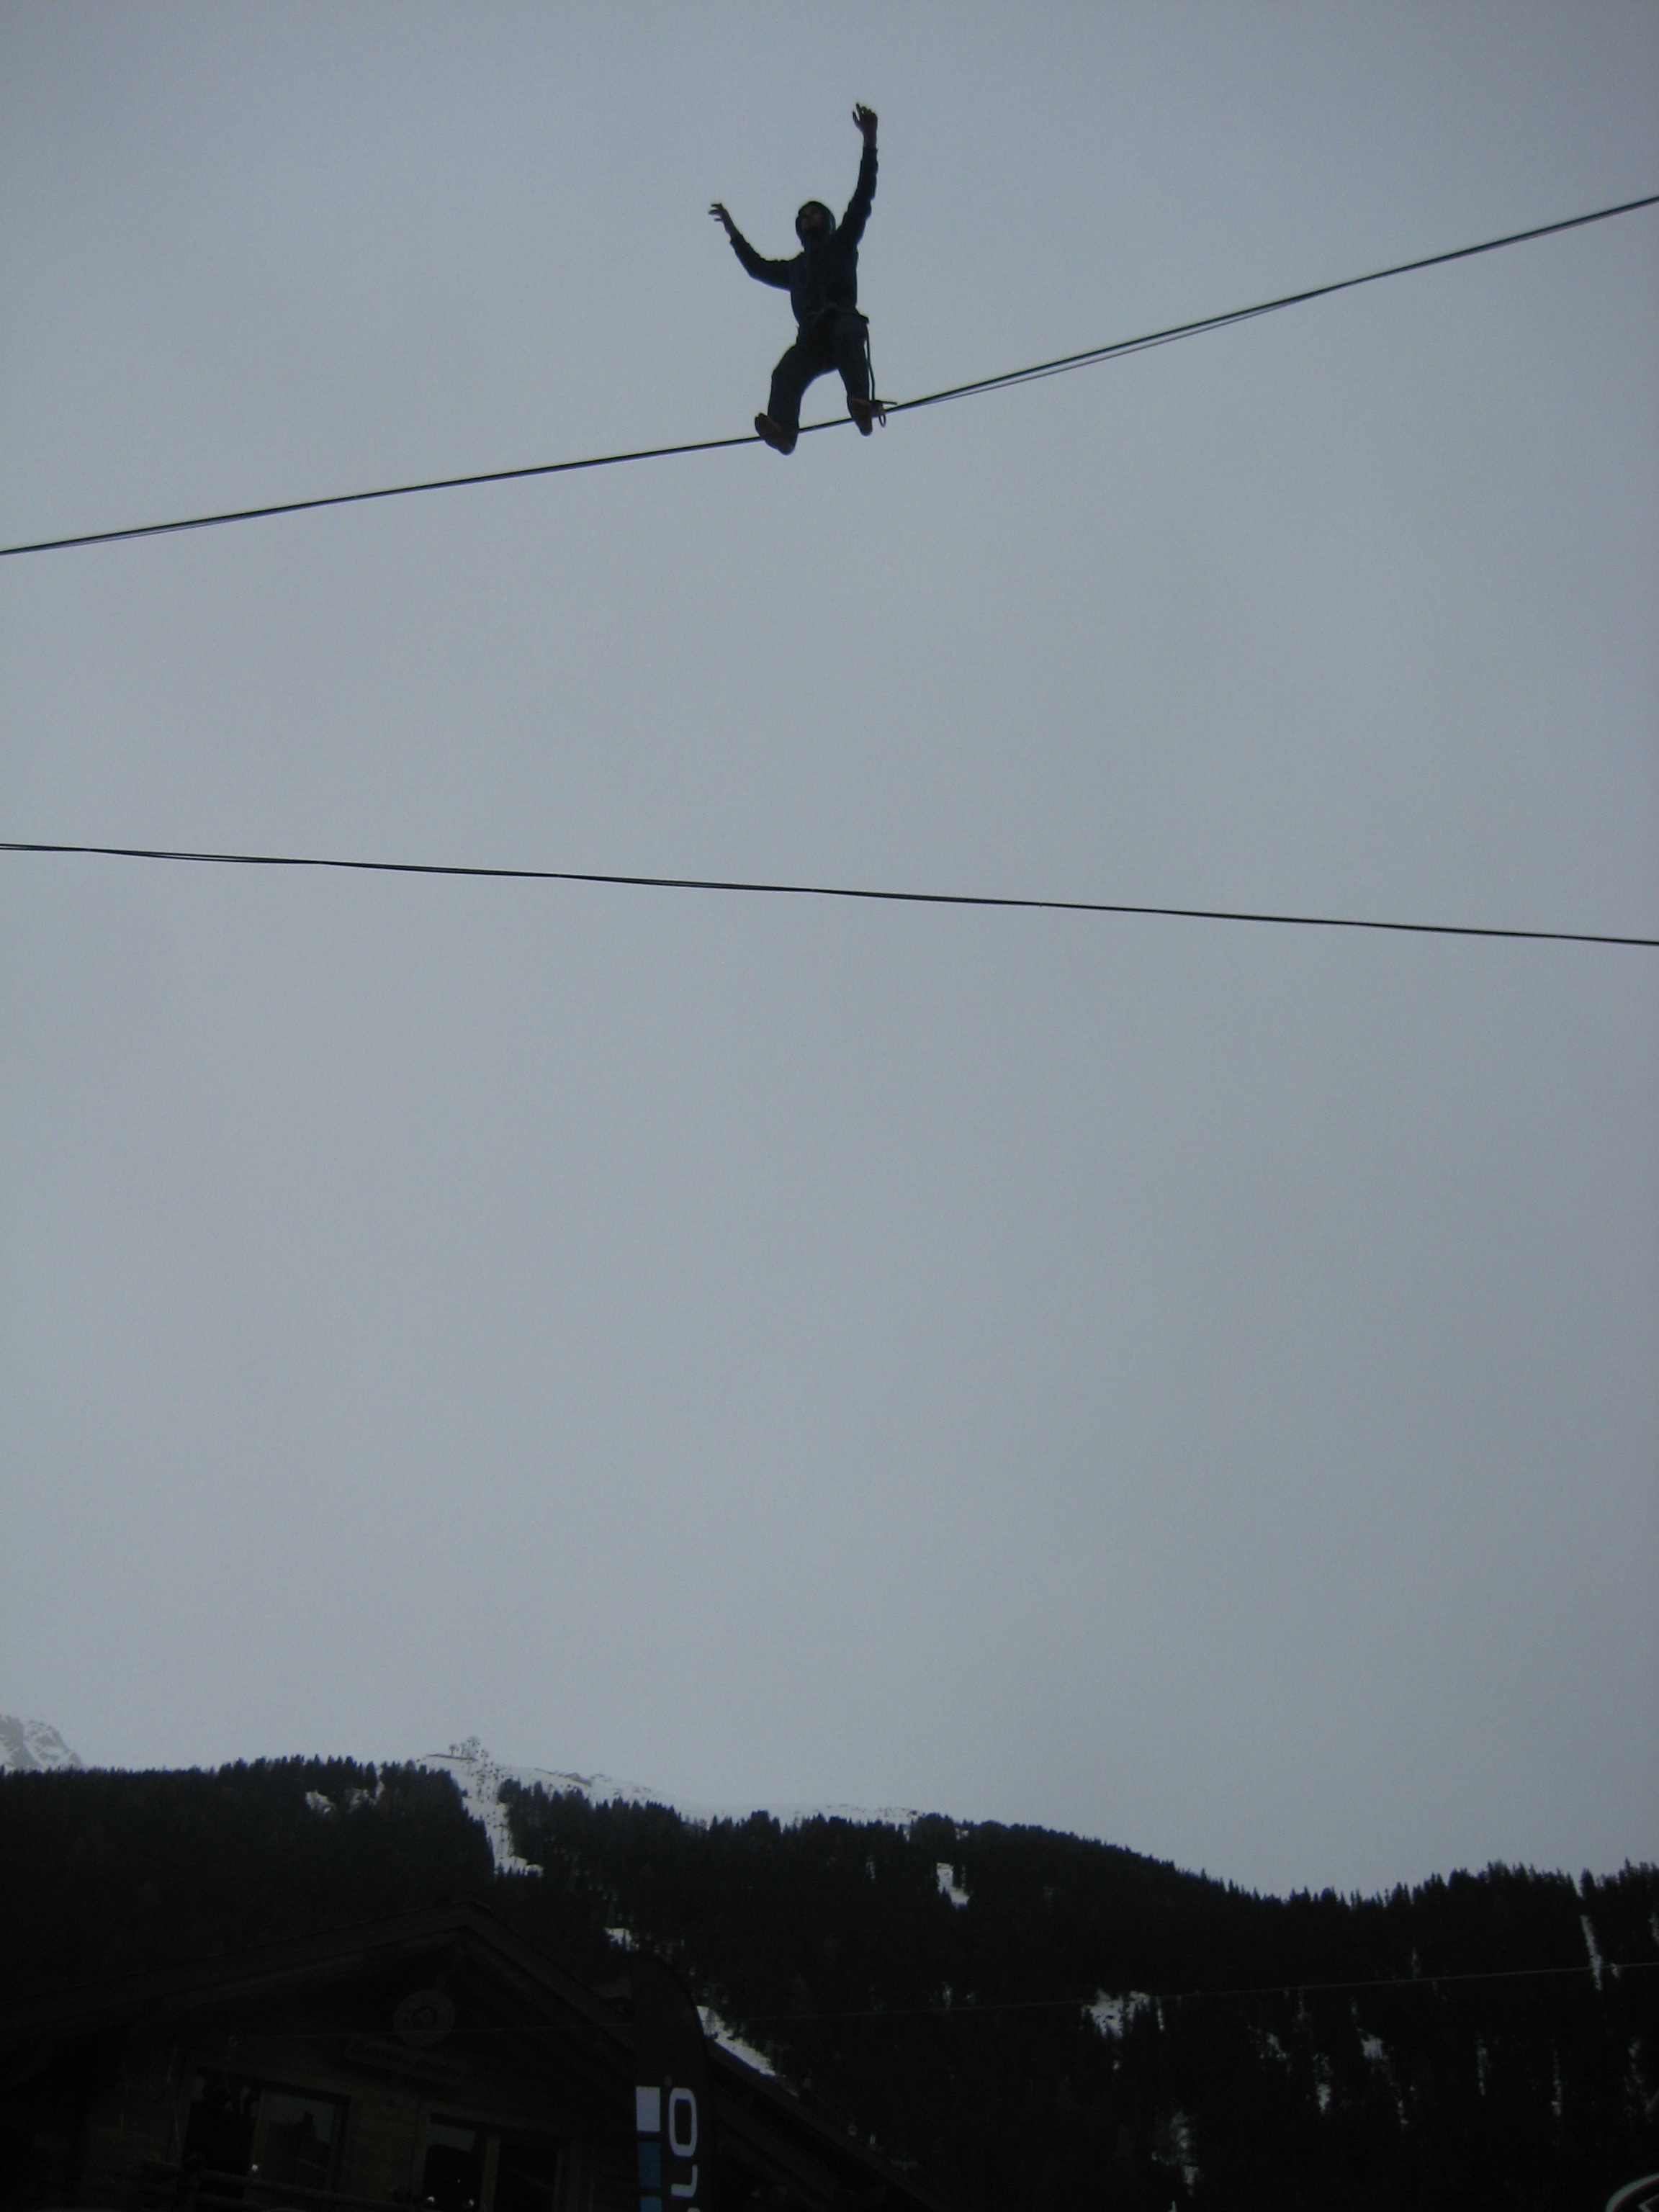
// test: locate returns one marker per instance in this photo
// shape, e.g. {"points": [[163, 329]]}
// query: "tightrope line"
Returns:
{"points": [[1118, 349]]}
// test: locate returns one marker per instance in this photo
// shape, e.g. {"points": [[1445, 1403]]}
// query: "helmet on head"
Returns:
{"points": [[814, 216]]}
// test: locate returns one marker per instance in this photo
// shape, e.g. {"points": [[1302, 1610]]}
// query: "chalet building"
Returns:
{"points": [[432, 2061]]}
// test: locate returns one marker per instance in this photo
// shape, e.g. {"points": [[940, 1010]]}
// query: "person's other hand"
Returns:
{"points": [[866, 119], [719, 212]]}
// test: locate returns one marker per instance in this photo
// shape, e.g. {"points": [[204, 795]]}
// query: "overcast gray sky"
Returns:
{"points": [[1195, 1384]]}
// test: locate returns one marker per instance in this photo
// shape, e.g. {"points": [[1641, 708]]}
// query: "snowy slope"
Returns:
{"points": [[32, 1744], [479, 1777]]}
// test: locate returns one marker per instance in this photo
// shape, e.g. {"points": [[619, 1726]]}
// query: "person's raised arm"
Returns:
{"points": [[858, 207], [767, 272]]}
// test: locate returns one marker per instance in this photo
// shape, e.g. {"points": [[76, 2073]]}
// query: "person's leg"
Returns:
{"points": [[852, 356], [853, 360], [808, 357], [789, 381]]}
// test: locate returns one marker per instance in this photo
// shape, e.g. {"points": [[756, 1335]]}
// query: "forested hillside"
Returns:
{"points": [[1034, 2019], [1441, 2046], [104, 1875]]}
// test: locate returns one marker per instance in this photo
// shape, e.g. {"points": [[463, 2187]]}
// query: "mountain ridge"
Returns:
{"points": [[28, 1747], [1033, 2018]]}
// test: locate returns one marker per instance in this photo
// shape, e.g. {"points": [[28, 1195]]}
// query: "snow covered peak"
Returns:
{"points": [[32, 1744], [479, 1779]]}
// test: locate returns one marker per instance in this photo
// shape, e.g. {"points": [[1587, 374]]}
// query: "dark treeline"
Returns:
{"points": [[107, 1875], [956, 2034], [1231, 2071]]}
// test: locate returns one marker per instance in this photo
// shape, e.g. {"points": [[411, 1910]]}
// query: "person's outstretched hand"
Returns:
{"points": [[721, 217], [866, 119]]}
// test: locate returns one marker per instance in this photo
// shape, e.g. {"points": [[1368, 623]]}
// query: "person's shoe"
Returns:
{"points": [[866, 413], [780, 440]]}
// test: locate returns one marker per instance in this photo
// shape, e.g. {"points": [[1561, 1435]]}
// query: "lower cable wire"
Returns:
{"points": [[831, 891]]}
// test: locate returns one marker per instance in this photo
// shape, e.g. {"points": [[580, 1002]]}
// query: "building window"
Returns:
{"points": [[283, 2138], [470, 2168], [453, 2177], [526, 2174], [300, 2134], [224, 2114]]}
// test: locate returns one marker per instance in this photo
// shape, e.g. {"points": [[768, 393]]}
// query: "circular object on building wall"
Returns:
{"points": [[425, 2017]]}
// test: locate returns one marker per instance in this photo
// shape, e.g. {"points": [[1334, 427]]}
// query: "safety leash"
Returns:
{"points": [[877, 407]]}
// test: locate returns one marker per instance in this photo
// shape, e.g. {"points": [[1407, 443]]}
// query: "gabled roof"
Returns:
{"points": [[757, 2113], [308, 1962]]}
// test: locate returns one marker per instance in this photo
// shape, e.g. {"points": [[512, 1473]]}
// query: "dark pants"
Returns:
{"points": [[835, 340]]}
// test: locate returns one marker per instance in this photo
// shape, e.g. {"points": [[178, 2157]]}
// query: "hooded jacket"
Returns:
{"points": [[824, 274]]}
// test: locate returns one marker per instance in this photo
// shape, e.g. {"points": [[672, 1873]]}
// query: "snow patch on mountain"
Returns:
{"points": [[796, 1816], [1596, 1963], [478, 1777], [321, 1802], [1114, 2015], [728, 2039], [29, 1746], [1175, 2147]]}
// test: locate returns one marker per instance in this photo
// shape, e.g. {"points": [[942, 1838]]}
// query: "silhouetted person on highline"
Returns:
{"points": [[822, 284]]}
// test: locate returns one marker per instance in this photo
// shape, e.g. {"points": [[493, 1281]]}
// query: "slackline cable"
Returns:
{"points": [[830, 891], [1008, 378]]}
